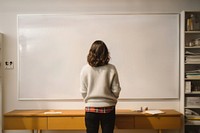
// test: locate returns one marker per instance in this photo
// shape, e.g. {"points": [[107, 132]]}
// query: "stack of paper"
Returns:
{"points": [[192, 57], [192, 117], [153, 112], [52, 112], [194, 74]]}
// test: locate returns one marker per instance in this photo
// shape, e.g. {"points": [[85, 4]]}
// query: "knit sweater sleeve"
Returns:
{"points": [[115, 84], [83, 85]]}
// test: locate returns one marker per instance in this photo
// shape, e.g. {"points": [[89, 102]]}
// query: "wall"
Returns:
{"points": [[1, 75], [10, 8]]}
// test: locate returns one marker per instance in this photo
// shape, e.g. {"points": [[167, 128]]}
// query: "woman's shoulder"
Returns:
{"points": [[85, 68], [111, 66]]}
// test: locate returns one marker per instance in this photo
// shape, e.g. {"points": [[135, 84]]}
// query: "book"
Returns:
{"points": [[192, 101], [193, 117], [188, 86]]}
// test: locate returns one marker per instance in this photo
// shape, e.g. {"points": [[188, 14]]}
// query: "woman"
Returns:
{"points": [[100, 88]]}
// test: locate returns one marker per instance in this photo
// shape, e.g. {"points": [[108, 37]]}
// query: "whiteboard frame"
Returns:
{"points": [[77, 99]]}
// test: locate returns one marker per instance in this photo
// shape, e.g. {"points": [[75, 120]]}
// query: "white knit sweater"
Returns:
{"points": [[99, 86]]}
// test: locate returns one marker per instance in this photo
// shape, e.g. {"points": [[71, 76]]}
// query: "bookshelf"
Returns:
{"points": [[190, 41]]}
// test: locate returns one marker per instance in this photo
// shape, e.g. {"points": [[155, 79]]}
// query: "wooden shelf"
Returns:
{"points": [[192, 79], [193, 93], [192, 124], [192, 32], [192, 107], [193, 47], [192, 63]]}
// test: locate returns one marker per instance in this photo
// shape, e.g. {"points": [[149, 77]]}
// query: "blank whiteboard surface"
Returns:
{"points": [[53, 48]]}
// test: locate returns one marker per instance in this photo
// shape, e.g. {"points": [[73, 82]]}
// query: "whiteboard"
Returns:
{"points": [[53, 48]]}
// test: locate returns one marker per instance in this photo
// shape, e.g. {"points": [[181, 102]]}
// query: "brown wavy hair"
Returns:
{"points": [[98, 54]]}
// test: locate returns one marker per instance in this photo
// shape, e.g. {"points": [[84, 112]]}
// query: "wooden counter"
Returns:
{"points": [[74, 120]]}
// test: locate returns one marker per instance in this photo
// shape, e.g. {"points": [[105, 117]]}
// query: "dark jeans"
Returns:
{"points": [[107, 121]]}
